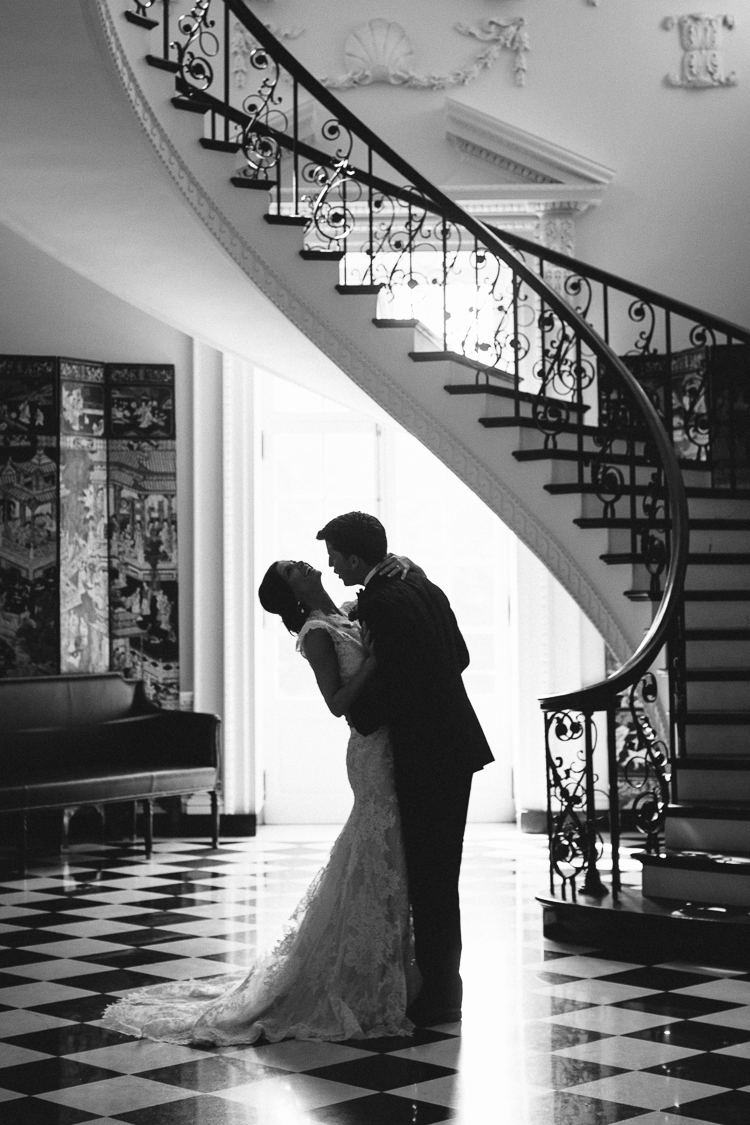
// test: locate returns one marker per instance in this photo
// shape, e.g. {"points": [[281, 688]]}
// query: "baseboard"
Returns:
{"points": [[534, 821], [200, 824]]}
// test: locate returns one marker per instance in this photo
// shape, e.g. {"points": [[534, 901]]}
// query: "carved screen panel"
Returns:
{"points": [[29, 587], [84, 610], [142, 476]]}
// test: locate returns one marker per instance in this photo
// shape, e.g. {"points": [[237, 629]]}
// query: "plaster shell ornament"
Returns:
{"points": [[381, 51], [702, 65]]}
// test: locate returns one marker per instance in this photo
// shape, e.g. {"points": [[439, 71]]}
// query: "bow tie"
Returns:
{"points": [[354, 611]]}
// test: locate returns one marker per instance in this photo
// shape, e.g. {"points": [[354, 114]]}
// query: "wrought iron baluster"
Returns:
{"points": [[614, 803], [444, 234], [295, 147], [515, 284], [592, 884], [227, 53], [165, 44]]}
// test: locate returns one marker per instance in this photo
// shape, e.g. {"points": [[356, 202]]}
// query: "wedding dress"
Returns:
{"points": [[344, 967]]}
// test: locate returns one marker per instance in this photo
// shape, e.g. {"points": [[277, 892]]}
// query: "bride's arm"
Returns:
{"points": [[398, 566], [321, 655]]}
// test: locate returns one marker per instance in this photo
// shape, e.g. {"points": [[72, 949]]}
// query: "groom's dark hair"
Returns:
{"points": [[357, 533]]}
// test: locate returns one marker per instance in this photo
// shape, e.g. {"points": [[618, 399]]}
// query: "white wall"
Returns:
{"points": [[675, 216]]}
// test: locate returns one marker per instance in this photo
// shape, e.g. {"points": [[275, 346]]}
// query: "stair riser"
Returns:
{"points": [[702, 835], [713, 785], [723, 741], [697, 886], [716, 508], [719, 577], [728, 695], [718, 654], [717, 615], [719, 540]]}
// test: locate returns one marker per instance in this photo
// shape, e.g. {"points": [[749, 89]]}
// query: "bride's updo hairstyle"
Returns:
{"points": [[276, 596]]}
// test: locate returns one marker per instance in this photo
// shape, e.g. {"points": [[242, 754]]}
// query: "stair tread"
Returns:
{"points": [[718, 718], [692, 595], [699, 524], [253, 185], [725, 862], [457, 357], [506, 392], [716, 634], [715, 764], [612, 458], [720, 675], [709, 810], [530, 423], [712, 558], [359, 290]]}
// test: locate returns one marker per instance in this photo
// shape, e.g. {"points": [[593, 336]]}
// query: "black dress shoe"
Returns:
{"points": [[424, 1015]]}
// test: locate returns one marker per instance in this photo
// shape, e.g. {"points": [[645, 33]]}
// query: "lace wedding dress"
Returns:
{"points": [[344, 967]]}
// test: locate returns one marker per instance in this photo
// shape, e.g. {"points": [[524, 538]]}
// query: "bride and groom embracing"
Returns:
{"points": [[374, 947]]}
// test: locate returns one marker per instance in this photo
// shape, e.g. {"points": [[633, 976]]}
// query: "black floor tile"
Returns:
{"points": [[720, 1070], [50, 1074], [662, 980], [381, 1109], [27, 936], [205, 1110], [552, 1070], [219, 1072], [565, 1108], [12, 957], [554, 1036], [535, 1007], [67, 1040], [127, 958], [80, 1010], [36, 1111], [381, 1072], [732, 1108], [35, 927], [699, 1036], [421, 1036], [113, 981], [673, 1004]]}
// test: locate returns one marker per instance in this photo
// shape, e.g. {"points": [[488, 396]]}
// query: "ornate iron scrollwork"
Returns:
{"points": [[643, 762], [575, 842], [200, 45]]}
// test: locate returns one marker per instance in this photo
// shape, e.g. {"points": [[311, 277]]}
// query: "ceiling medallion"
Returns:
{"points": [[381, 52]]}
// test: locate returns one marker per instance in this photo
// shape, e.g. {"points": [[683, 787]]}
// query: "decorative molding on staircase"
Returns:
{"points": [[381, 51], [375, 382]]}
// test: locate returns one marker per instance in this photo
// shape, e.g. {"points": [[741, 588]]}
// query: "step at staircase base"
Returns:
{"points": [[701, 834], [651, 930]]}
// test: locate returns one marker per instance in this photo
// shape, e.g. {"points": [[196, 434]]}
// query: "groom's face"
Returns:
{"points": [[344, 567]]}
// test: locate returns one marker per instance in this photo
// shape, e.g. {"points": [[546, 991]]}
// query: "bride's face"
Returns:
{"points": [[302, 577]]}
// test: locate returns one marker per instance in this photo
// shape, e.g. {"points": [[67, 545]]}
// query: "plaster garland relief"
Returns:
{"points": [[381, 51], [702, 65]]}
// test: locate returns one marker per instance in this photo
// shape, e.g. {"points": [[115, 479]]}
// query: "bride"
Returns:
{"points": [[344, 967]]}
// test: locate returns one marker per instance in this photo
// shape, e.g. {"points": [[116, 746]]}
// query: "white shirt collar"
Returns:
{"points": [[370, 574]]}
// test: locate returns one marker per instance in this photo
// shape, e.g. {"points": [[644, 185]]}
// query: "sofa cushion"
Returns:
{"points": [[60, 701], [60, 790]]}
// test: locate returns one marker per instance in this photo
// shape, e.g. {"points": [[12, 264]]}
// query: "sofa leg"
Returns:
{"points": [[22, 844], [65, 829], [214, 819], [134, 825], [148, 826]]}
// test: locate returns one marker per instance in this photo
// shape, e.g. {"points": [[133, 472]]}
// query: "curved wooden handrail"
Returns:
{"points": [[601, 695], [632, 288]]}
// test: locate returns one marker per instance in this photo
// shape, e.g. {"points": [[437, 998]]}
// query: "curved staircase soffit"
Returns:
{"points": [[376, 383]]}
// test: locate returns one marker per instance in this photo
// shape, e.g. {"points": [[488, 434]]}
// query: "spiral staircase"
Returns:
{"points": [[604, 422]]}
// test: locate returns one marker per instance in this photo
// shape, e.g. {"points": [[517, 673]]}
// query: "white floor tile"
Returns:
{"points": [[291, 1093], [33, 995], [297, 1055], [630, 1054], [647, 1091], [595, 991], [611, 1021], [730, 1017], [57, 969], [111, 1096], [138, 1055], [728, 989], [77, 947]]}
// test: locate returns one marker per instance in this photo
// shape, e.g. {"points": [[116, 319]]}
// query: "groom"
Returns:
{"points": [[417, 691]]}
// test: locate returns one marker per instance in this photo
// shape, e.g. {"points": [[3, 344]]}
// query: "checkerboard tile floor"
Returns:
{"points": [[552, 1034]]}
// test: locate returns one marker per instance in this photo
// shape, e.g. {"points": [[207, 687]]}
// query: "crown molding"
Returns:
{"points": [[534, 161]]}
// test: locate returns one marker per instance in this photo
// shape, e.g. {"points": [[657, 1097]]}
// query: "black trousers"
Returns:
{"points": [[433, 809]]}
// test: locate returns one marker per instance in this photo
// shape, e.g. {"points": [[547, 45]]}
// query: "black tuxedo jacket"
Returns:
{"points": [[417, 689]]}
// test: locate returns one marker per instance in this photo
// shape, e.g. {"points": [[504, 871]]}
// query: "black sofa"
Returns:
{"points": [[67, 741]]}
